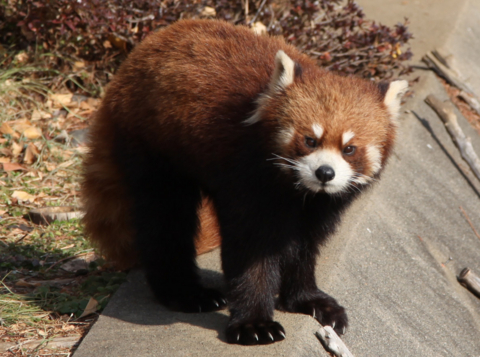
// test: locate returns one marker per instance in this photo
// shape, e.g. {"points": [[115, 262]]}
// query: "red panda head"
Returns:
{"points": [[331, 133]]}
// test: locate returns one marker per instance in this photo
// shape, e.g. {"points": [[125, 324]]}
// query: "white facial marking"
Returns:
{"points": [[285, 136], [374, 157], [310, 163], [317, 130], [393, 97], [347, 136]]}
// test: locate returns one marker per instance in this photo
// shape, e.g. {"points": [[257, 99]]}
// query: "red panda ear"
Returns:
{"points": [[393, 96], [284, 73]]}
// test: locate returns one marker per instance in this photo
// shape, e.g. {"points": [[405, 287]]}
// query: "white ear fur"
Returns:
{"points": [[393, 97], [283, 76], [284, 73]]}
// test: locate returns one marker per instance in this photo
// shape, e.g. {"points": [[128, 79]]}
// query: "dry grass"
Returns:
{"points": [[40, 300]]}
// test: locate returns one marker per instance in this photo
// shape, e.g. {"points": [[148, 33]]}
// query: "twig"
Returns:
{"points": [[332, 342], [446, 113], [67, 258], [435, 61], [470, 100], [258, 12], [470, 280], [439, 66], [145, 18], [21, 238], [470, 222]]}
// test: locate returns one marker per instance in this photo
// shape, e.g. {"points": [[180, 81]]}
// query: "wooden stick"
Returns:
{"points": [[332, 342], [439, 65], [471, 100], [470, 280], [470, 222], [435, 61], [446, 113]]}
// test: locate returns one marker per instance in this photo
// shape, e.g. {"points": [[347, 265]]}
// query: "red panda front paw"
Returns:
{"points": [[325, 310], [255, 333], [199, 300]]}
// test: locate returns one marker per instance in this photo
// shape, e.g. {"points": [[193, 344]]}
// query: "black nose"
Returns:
{"points": [[325, 173]]}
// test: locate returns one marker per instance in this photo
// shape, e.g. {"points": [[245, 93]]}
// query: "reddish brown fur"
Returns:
{"points": [[107, 219], [174, 125], [209, 235]]}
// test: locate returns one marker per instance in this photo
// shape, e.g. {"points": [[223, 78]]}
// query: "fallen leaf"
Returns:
{"points": [[107, 44], [50, 167], [42, 333], [32, 133], [6, 129], [16, 149], [62, 100], [91, 307], [6, 152], [93, 102], [27, 284], [4, 160], [61, 173], [36, 115], [12, 167], [73, 112], [66, 163], [79, 263], [15, 232], [31, 154], [118, 42], [85, 106], [208, 11], [23, 196], [2, 212], [40, 114], [22, 57], [68, 327], [259, 28], [79, 64], [20, 125], [68, 246]]}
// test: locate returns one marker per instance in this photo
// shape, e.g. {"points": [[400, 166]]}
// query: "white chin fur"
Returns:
{"points": [[309, 164]]}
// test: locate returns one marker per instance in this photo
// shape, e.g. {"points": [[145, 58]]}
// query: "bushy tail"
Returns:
{"points": [[108, 217], [208, 237]]}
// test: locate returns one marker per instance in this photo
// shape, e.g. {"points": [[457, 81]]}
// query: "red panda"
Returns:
{"points": [[279, 147]]}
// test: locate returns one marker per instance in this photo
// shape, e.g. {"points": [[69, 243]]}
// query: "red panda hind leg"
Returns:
{"points": [[164, 206]]}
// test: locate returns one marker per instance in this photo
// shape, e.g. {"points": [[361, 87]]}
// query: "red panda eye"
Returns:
{"points": [[349, 150], [311, 143]]}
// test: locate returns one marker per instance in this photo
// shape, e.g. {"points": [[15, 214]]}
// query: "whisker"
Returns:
{"points": [[288, 166], [295, 162], [369, 178]]}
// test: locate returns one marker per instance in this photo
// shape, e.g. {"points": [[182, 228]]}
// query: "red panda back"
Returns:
{"points": [[190, 62]]}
